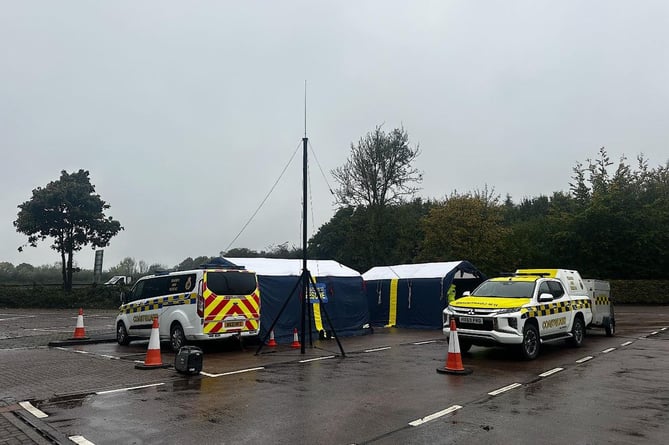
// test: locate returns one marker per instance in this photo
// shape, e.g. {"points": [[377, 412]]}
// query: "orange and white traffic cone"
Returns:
{"points": [[153, 359], [454, 359], [79, 331], [271, 343], [296, 341]]}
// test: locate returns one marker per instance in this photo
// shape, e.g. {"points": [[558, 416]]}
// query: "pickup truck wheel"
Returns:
{"points": [[529, 349], [577, 332], [465, 346], [122, 336], [177, 337]]}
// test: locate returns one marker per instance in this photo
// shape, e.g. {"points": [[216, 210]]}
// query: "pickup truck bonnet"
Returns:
{"points": [[489, 302]]}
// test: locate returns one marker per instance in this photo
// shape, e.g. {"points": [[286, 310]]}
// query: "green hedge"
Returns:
{"points": [[640, 291], [53, 297]]}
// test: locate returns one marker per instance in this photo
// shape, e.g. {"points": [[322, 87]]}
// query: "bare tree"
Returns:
{"points": [[378, 171]]}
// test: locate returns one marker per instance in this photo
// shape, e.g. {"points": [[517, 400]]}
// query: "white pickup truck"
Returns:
{"points": [[526, 309]]}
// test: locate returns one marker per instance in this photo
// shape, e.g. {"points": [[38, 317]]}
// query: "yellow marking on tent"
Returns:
{"points": [[392, 313], [318, 320]]}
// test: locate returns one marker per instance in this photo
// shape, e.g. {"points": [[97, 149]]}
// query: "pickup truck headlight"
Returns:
{"points": [[509, 310]]}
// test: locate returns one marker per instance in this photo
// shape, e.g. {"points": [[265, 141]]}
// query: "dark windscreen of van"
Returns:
{"points": [[231, 283]]}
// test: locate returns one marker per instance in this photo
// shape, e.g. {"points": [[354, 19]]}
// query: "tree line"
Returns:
{"points": [[611, 224]]}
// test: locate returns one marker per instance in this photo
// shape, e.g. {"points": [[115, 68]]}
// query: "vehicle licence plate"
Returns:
{"points": [[471, 320], [234, 324]]}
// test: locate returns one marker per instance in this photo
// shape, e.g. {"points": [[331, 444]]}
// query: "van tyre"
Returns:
{"points": [[577, 332], [177, 337], [122, 336], [529, 348]]}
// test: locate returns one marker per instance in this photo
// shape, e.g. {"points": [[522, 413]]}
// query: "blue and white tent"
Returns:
{"points": [[280, 280], [414, 295]]}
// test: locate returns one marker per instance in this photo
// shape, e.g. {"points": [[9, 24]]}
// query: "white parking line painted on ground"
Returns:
{"points": [[80, 352], [653, 333], [232, 372], [425, 342], [584, 359], [32, 410], [111, 391], [663, 329], [606, 351], [110, 356], [504, 389], [627, 343], [48, 330], [377, 349], [316, 359], [80, 440], [15, 317], [551, 372], [436, 415]]}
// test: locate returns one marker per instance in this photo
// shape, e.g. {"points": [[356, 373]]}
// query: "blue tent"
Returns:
{"points": [[415, 295], [340, 287]]}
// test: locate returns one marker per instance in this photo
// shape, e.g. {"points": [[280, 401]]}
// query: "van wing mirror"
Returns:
{"points": [[122, 295]]}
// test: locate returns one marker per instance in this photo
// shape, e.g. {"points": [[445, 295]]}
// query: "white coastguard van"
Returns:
{"points": [[202, 304]]}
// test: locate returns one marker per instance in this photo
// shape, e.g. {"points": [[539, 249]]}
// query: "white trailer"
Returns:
{"points": [[599, 292]]}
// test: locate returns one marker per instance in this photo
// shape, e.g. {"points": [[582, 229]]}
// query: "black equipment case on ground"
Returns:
{"points": [[188, 360]]}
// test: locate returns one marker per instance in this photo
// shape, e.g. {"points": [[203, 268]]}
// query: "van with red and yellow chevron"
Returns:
{"points": [[525, 309], [211, 303]]}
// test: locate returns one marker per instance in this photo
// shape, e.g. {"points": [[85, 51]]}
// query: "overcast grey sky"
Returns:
{"points": [[185, 113]]}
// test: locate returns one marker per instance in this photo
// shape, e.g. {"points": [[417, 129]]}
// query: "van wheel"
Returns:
{"points": [[122, 336], [177, 337], [577, 332], [529, 349]]}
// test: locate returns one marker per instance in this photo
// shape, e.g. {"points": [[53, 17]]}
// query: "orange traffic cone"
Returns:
{"points": [[454, 358], [296, 341], [153, 359], [79, 331], [271, 343]]}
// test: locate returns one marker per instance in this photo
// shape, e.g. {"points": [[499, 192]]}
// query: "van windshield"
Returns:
{"points": [[231, 283], [505, 289]]}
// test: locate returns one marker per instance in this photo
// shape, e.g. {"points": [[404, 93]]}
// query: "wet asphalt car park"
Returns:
{"points": [[384, 391]]}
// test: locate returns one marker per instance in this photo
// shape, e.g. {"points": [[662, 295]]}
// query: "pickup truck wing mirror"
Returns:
{"points": [[544, 298]]}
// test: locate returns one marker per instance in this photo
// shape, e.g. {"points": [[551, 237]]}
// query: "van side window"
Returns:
{"points": [[556, 289], [181, 283], [136, 293]]}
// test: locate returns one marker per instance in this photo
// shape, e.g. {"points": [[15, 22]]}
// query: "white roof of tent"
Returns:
{"points": [[293, 267], [424, 270]]}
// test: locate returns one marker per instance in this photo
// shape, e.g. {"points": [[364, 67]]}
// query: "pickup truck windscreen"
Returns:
{"points": [[505, 289]]}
